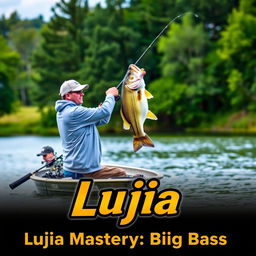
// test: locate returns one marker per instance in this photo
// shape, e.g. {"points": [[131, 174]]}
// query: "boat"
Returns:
{"points": [[67, 185]]}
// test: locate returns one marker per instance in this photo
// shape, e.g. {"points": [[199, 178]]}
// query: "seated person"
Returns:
{"points": [[53, 164], [48, 155], [79, 134]]}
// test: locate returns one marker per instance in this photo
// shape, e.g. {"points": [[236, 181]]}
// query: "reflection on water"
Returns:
{"points": [[207, 170]]}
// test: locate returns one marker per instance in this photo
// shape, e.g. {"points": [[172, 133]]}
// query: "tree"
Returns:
{"points": [[24, 40], [7, 23], [110, 43], [9, 61], [237, 50], [22, 36], [62, 50], [182, 65], [213, 14], [148, 18]]}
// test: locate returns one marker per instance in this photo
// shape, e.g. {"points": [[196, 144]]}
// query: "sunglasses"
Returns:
{"points": [[78, 92]]}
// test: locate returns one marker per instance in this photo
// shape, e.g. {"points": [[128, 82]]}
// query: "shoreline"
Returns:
{"points": [[152, 134], [27, 121]]}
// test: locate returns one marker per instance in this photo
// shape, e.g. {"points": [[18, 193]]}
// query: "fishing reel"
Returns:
{"points": [[53, 174], [55, 169]]}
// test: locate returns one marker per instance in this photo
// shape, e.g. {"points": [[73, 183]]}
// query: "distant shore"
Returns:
{"points": [[26, 121]]}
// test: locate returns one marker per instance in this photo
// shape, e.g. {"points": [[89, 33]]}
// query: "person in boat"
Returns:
{"points": [[53, 164], [48, 155], [80, 138]]}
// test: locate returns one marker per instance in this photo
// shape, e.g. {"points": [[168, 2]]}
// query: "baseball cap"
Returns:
{"points": [[72, 86], [45, 150]]}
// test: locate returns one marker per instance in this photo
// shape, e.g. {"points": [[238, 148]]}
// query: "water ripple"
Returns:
{"points": [[202, 167]]}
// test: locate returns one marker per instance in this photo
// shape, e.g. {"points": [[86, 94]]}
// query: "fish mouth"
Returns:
{"points": [[136, 69], [136, 84], [134, 87], [138, 74]]}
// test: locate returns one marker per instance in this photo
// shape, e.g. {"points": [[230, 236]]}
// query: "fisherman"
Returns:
{"points": [[79, 134], [52, 163], [48, 155]]}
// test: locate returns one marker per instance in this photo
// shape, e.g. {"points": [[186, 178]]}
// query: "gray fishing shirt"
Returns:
{"points": [[79, 134]]}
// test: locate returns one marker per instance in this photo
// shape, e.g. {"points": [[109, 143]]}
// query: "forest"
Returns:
{"points": [[200, 70]]}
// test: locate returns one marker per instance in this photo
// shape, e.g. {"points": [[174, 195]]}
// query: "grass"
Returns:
{"points": [[25, 115], [27, 120], [237, 122]]}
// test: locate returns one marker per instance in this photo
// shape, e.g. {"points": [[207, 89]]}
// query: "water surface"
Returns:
{"points": [[210, 171]]}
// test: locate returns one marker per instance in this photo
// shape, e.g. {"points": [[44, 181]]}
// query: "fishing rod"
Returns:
{"points": [[155, 39], [27, 176]]}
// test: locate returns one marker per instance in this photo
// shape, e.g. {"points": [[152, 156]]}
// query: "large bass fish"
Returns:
{"points": [[134, 110]]}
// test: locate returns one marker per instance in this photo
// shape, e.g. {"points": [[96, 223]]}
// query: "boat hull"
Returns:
{"points": [[67, 186]]}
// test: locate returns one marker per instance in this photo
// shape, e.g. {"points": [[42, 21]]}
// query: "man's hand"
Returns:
{"points": [[112, 91]]}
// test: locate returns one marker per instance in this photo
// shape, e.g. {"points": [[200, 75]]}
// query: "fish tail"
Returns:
{"points": [[139, 142]]}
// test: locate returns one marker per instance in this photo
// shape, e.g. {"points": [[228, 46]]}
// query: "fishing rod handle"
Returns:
{"points": [[20, 181], [117, 98]]}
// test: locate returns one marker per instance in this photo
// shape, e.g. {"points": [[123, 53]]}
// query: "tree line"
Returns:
{"points": [[199, 67]]}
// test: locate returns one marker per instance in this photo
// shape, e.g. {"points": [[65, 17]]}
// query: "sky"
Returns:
{"points": [[32, 8]]}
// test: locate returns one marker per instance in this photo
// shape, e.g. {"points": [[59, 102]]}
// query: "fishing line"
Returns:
{"points": [[152, 43]]}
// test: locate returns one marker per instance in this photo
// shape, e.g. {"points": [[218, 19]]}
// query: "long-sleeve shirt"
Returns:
{"points": [[79, 135]]}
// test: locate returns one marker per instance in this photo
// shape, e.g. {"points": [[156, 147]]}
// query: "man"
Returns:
{"points": [[48, 155], [53, 164], [79, 134]]}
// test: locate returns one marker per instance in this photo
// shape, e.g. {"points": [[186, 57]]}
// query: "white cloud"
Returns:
{"points": [[32, 8]]}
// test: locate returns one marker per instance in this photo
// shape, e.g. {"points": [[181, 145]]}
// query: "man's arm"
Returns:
{"points": [[110, 92], [100, 115]]}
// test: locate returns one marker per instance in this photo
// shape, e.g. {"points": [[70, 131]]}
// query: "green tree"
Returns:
{"points": [[213, 14], [9, 61], [182, 65], [7, 23], [148, 18], [62, 50], [24, 41], [110, 43], [22, 36], [238, 52]]}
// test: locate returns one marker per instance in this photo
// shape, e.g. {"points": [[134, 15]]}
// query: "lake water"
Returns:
{"points": [[211, 172]]}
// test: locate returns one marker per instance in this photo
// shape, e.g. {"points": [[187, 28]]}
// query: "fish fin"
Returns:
{"points": [[138, 143], [148, 95], [126, 125], [151, 115]]}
